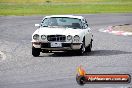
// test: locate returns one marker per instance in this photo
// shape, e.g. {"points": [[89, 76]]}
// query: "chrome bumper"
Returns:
{"points": [[65, 46]]}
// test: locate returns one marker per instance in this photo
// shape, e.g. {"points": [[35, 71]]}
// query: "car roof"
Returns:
{"points": [[70, 16]]}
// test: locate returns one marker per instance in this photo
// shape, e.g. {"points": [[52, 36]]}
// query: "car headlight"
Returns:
{"points": [[69, 37], [43, 37], [76, 38], [36, 37]]}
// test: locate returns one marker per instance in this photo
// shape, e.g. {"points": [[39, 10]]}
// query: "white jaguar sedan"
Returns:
{"points": [[62, 33]]}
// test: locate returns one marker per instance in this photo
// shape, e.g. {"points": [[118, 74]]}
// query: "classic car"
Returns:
{"points": [[62, 33]]}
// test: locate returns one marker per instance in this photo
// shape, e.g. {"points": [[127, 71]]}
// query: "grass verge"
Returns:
{"points": [[64, 8]]}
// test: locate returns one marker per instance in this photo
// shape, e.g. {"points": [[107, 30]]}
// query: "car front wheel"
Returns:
{"points": [[35, 52], [89, 48], [82, 49]]}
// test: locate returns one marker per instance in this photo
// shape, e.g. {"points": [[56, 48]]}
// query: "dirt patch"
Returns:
{"points": [[125, 28]]}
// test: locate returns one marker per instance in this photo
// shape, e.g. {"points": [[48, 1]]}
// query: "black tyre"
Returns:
{"points": [[89, 48], [82, 49], [35, 52]]}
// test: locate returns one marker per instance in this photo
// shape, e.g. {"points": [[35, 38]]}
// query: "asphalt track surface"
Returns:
{"points": [[110, 54]]}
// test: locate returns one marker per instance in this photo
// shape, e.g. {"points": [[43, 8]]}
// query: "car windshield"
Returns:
{"points": [[65, 22]]}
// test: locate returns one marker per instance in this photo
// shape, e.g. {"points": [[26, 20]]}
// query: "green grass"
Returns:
{"points": [[61, 1], [19, 7]]}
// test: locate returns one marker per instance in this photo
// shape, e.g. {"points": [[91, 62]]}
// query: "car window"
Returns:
{"points": [[62, 22]]}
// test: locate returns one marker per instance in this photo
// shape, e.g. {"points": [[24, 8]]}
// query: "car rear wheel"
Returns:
{"points": [[35, 52]]}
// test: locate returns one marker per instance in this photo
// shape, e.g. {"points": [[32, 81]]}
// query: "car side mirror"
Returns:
{"points": [[37, 25]]}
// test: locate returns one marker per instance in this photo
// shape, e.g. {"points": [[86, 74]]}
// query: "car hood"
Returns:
{"points": [[58, 31]]}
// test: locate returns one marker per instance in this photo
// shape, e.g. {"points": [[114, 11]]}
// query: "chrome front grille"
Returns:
{"points": [[56, 38]]}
